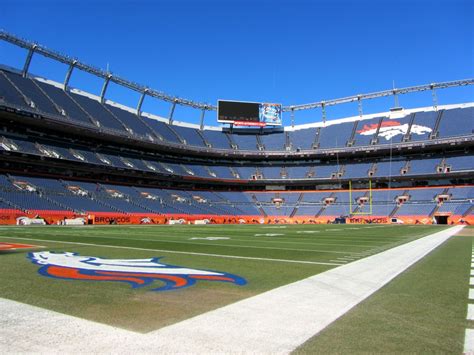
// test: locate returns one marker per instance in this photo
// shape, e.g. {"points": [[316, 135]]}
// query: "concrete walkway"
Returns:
{"points": [[276, 321]]}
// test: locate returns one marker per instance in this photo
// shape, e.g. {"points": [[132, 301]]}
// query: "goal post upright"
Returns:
{"points": [[351, 210]]}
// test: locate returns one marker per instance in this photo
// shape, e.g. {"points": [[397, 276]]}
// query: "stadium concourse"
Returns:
{"points": [[67, 156]]}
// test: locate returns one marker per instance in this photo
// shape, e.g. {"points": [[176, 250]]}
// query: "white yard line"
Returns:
{"points": [[181, 252], [214, 244], [277, 321], [469, 342]]}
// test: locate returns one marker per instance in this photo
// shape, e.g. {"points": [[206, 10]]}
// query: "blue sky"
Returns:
{"points": [[291, 52]]}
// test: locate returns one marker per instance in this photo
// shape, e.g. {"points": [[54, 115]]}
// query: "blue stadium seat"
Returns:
{"points": [[423, 119], [63, 101], [97, 111], [217, 139], [245, 141], [302, 139], [132, 121], [365, 131], [29, 89], [335, 135], [456, 122], [190, 135], [273, 141]]}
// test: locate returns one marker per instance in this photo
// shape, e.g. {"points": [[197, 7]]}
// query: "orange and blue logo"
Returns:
{"points": [[136, 272]]}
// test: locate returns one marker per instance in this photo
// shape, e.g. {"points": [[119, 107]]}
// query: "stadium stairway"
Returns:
{"points": [[407, 136], [350, 142], [435, 133]]}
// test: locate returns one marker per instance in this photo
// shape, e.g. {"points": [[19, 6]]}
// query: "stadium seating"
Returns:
{"points": [[190, 135], [274, 141], [302, 139], [424, 119], [335, 135], [245, 141], [217, 139], [319, 166], [460, 163], [366, 131], [45, 194], [415, 210], [135, 123], [456, 122]]}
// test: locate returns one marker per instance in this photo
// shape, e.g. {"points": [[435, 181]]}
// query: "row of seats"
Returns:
{"points": [[44, 97], [34, 193], [396, 167]]}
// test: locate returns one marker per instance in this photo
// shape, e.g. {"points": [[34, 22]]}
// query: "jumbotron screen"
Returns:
{"points": [[249, 113]]}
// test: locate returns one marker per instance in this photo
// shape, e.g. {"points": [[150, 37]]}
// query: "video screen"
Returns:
{"points": [[252, 113], [231, 111]]}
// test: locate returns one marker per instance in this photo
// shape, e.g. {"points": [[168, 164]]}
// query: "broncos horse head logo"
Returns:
{"points": [[136, 272], [390, 129]]}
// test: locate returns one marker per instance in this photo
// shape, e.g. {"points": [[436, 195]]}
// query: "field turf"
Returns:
{"points": [[423, 311], [266, 256]]}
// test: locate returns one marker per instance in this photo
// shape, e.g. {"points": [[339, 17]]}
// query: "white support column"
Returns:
{"points": [[26, 66], [170, 116], [140, 102], [104, 88], [68, 75]]}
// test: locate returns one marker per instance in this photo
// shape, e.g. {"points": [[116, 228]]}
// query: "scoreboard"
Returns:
{"points": [[249, 113]]}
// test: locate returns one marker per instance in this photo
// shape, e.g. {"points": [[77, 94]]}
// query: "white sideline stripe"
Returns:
{"points": [[471, 281], [469, 342], [470, 312], [471, 294], [276, 321], [182, 252]]}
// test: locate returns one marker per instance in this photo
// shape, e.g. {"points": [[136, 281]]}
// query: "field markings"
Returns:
{"points": [[209, 244], [470, 312], [469, 334], [306, 240], [469, 341], [317, 241], [276, 321], [304, 307], [181, 252]]}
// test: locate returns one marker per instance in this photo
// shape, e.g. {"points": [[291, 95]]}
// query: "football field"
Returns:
{"points": [[102, 273]]}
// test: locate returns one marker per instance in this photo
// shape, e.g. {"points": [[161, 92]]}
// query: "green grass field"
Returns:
{"points": [[266, 256]]}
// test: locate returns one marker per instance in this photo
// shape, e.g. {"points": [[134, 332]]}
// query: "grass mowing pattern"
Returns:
{"points": [[421, 311], [142, 310]]}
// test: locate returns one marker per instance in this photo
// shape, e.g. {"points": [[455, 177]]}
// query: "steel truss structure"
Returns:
{"points": [[34, 48]]}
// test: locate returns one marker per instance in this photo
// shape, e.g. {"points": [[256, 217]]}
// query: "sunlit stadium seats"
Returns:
{"points": [[273, 141], [456, 122], [335, 135]]}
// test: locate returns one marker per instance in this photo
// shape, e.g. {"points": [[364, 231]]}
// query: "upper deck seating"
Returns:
{"points": [[423, 125], [273, 141], [29, 89], [302, 139], [64, 102], [190, 135], [365, 131], [217, 139], [245, 141], [456, 122], [335, 135], [132, 121]]}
